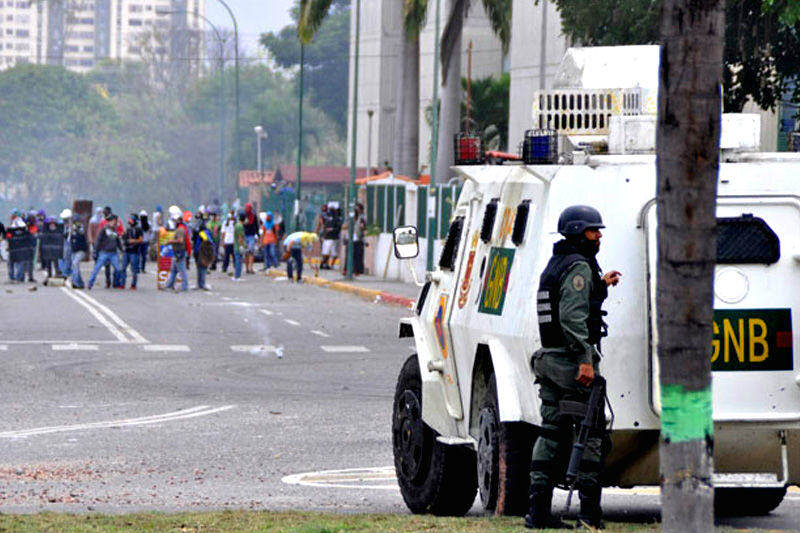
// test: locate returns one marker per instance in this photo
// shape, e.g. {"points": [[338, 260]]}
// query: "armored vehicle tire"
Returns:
{"points": [[434, 478], [747, 501], [504, 455]]}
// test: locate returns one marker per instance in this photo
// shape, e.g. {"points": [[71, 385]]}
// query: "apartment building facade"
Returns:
{"points": [[80, 34]]}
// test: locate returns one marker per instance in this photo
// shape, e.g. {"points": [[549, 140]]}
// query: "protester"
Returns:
{"points": [[251, 236], [107, 246], [204, 249], [132, 240], [33, 229], [269, 241], [214, 226], [181, 248], [228, 240], [79, 247], [147, 238], [358, 240], [240, 246]]}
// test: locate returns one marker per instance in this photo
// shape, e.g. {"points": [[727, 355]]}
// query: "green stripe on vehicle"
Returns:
{"points": [[685, 415]]}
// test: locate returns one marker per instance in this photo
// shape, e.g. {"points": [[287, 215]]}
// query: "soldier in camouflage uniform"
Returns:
{"points": [[569, 301]]}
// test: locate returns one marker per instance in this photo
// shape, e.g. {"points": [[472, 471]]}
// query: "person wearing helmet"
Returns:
{"points": [[132, 241], [569, 300]]}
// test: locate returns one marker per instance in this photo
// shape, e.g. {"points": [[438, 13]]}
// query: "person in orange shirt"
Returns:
{"points": [[269, 242]]}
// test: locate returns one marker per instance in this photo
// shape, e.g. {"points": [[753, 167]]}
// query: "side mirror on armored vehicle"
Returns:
{"points": [[406, 242]]}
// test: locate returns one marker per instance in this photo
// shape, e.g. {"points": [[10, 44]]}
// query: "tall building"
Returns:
{"points": [[79, 34]]}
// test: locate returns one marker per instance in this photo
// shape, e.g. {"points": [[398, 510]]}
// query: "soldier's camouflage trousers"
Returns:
{"points": [[555, 374]]}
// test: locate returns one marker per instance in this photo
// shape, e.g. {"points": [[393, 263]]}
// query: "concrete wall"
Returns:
{"points": [[534, 59]]}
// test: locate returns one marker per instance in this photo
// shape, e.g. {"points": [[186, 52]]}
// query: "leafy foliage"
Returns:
{"points": [[326, 59], [489, 108], [762, 38]]}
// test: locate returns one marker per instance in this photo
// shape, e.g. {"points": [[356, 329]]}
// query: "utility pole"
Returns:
{"points": [[297, 180], [431, 221], [351, 201], [236, 144]]}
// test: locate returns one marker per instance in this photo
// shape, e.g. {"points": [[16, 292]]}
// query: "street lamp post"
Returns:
{"points": [[351, 207], [236, 145], [431, 222], [221, 96], [297, 202], [260, 136]]}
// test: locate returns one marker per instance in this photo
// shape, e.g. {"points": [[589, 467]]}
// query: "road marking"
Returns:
{"points": [[345, 349], [95, 313], [200, 410], [165, 348], [320, 333], [64, 342], [380, 478], [291, 322], [3, 347], [266, 312], [137, 337], [253, 348], [75, 346]]}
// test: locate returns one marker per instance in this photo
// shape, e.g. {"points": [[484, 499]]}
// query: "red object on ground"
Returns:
{"points": [[396, 299], [503, 155]]}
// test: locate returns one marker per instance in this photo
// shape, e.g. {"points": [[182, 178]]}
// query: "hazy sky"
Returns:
{"points": [[253, 16]]}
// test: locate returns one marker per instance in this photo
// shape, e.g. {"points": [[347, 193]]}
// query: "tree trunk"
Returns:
{"points": [[687, 166], [406, 143], [450, 113]]}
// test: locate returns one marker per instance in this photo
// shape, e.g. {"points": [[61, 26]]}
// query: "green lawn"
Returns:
{"points": [[290, 522]]}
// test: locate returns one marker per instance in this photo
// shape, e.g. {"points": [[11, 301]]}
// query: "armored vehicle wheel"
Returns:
{"points": [[434, 478], [504, 456], [747, 501]]}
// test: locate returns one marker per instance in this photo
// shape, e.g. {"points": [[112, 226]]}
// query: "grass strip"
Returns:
{"points": [[274, 522]]}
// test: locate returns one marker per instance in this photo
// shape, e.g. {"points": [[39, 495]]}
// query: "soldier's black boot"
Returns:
{"points": [[540, 514], [591, 514]]}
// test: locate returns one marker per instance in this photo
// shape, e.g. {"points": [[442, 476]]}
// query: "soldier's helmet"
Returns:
{"points": [[576, 219]]}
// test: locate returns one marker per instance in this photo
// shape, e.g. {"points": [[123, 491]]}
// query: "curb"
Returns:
{"points": [[371, 295]]}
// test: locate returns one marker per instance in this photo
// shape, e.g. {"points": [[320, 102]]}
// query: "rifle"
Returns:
{"points": [[592, 413]]}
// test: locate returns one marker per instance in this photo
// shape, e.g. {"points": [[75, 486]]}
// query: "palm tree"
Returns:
{"points": [[499, 13], [687, 166], [406, 140]]}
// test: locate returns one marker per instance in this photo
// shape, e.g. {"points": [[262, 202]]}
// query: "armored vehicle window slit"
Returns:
{"points": [[423, 295], [450, 249], [489, 215], [746, 240], [521, 222]]}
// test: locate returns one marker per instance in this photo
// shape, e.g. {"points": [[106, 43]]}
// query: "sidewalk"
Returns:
{"points": [[371, 288]]}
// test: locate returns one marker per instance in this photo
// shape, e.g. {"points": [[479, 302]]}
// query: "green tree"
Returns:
{"points": [[325, 58], [762, 38], [489, 108], [263, 98]]}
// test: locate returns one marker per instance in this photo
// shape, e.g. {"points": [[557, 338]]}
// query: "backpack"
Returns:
{"points": [[205, 252]]}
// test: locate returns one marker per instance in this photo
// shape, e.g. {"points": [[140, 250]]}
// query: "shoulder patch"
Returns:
{"points": [[578, 282]]}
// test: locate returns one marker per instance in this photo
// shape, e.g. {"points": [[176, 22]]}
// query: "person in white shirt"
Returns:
{"points": [[227, 233]]}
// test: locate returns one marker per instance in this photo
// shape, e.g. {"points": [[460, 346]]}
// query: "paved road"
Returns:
{"points": [[120, 401]]}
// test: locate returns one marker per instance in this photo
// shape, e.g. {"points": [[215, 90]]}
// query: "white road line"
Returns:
{"points": [[121, 323], [345, 349], [380, 478], [95, 313], [291, 322], [165, 348], [75, 347], [64, 342], [266, 312], [3, 347], [319, 333], [200, 410], [253, 348]]}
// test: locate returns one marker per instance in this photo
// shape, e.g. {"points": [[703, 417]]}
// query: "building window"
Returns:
{"points": [[134, 22], [23, 33], [86, 62], [88, 48], [23, 47], [135, 8]]}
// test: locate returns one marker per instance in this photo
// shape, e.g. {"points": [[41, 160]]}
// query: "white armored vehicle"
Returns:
{"points": [[466, 409]]}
